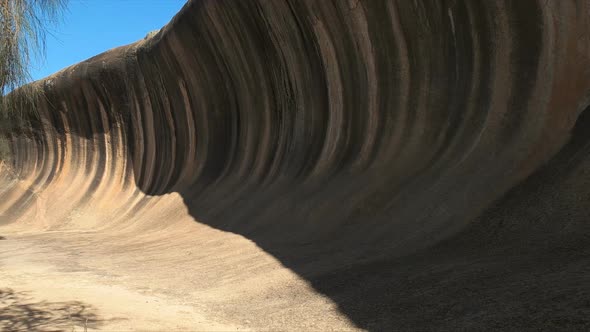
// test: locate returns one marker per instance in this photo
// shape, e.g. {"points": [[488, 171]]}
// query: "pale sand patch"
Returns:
{"points": [[55, 295]]}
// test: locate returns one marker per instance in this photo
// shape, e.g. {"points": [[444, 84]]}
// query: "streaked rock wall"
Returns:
{"points": [[388, 123]]}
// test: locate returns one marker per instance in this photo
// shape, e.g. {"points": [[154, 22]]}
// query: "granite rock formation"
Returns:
{"points": [[351, 140]]}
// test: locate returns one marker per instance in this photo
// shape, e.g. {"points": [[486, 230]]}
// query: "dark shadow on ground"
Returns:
{"points": [[536, 278], [19, 312], [458, 291]]}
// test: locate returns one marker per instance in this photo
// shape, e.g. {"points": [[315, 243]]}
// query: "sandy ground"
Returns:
{"points": [[200, 280], [37, 296]]}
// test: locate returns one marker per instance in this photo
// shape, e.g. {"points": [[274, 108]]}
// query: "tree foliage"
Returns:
{"points": [[23, 27]]}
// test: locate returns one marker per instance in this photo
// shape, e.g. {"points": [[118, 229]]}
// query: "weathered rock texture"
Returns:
{"points": [[338, 133]]}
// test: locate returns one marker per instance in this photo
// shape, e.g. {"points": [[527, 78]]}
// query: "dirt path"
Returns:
{"points": [[37, 296]]}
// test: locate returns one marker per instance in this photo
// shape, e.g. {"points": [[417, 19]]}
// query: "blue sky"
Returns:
{"points": [[90, 27]]}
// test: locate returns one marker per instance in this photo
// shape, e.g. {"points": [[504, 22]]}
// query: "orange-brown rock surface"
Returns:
{"points": [[421, 164]]}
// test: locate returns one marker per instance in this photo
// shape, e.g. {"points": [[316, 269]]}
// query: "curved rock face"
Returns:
{"points": [[359, 130]]}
